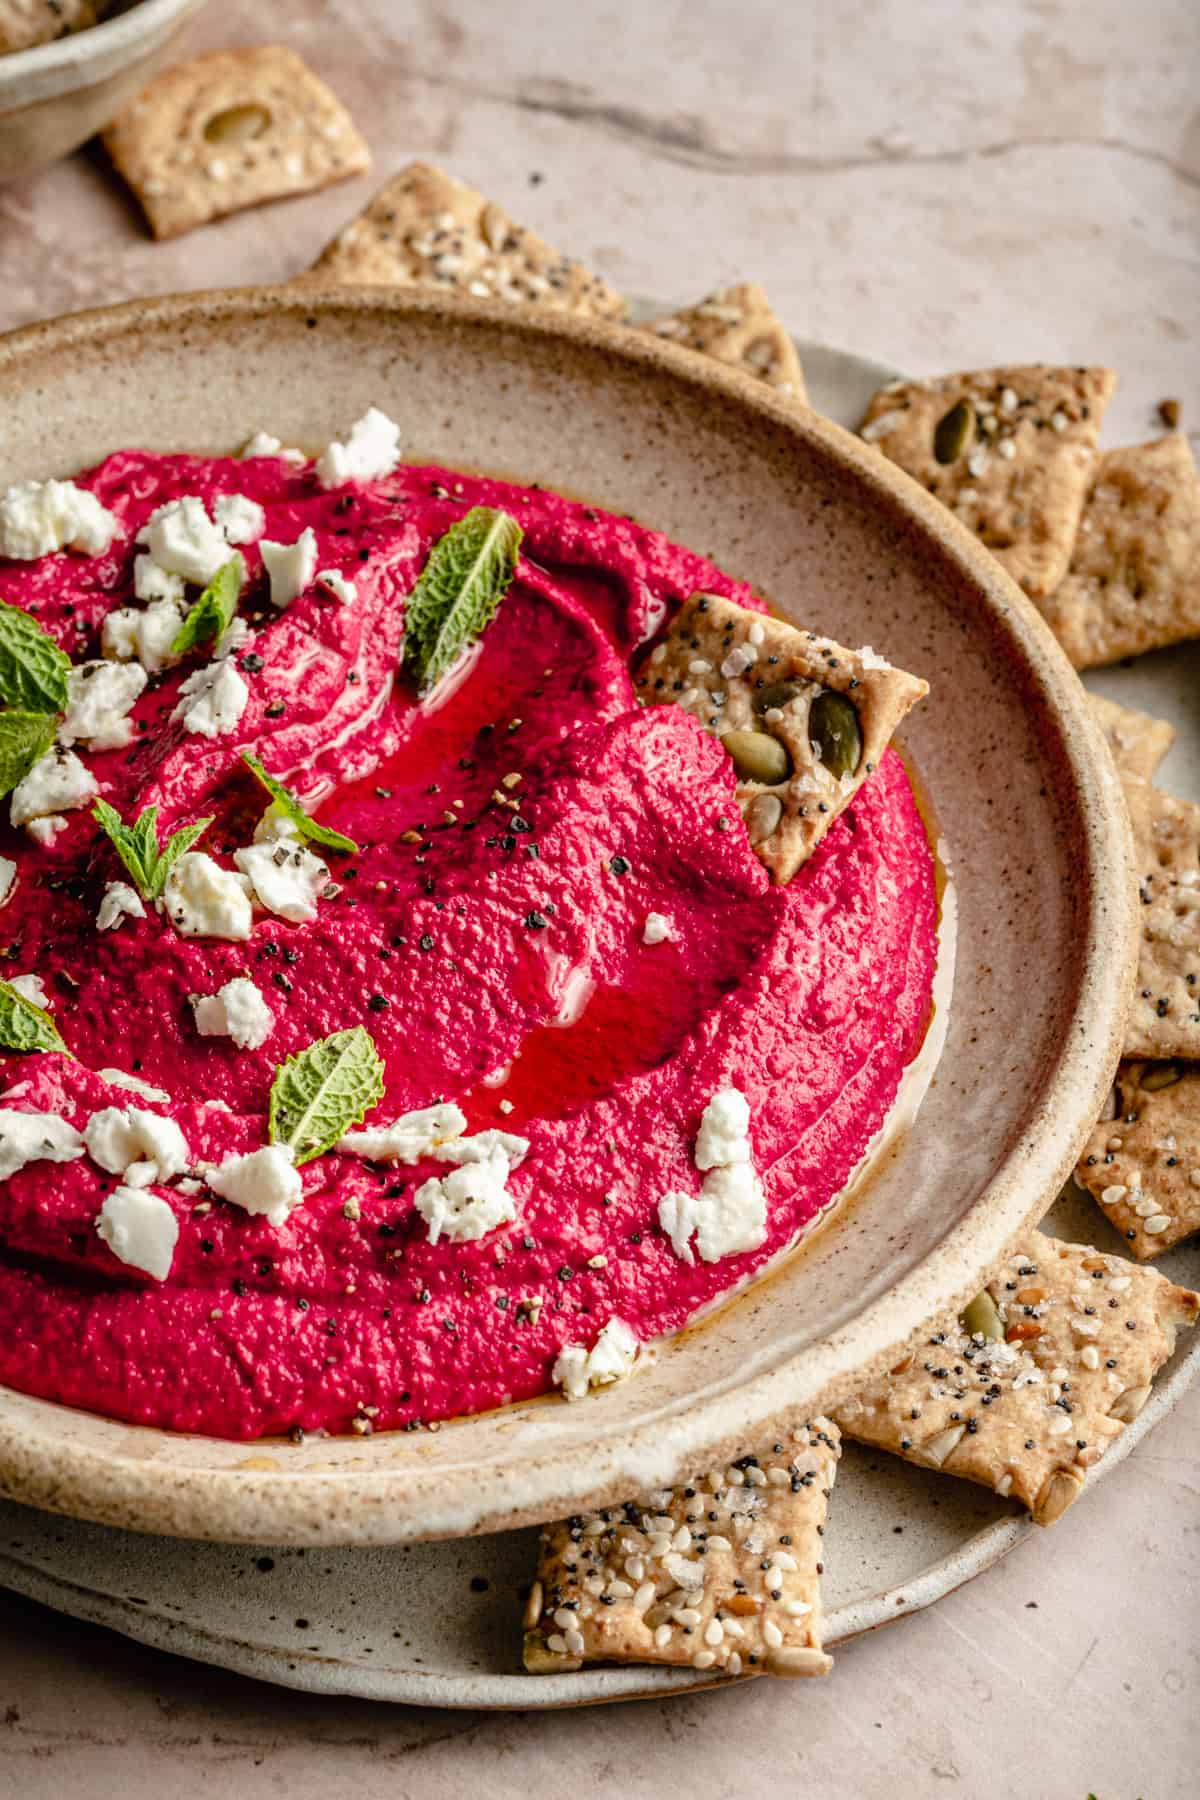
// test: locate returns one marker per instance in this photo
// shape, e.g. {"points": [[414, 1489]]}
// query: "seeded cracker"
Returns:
{"points": [[738, 326], [1010, 451], [1142, 1166], [1138, 741], [749, 678], [1134, 580], [1029, 1414], [1165, 1018], [24, 23], [721, 1574], [425, 229], [232, 130]]}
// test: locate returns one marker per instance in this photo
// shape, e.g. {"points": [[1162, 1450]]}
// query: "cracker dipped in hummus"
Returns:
{"points": [[400, 1017]]}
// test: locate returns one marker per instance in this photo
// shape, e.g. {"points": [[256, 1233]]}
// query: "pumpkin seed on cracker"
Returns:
{"points": [[737, 325], [1142, 1166], [1165, 1018], [804, 719], [722, 1573], [1137, 740], [1029, 1415], [1011, 451]]}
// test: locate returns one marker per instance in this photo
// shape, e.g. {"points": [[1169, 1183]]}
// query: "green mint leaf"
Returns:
{"points": [[175, 846], [25, 738], [458, 591], [320, 1093], [288, 804], [24, 1026], [137, 845], [33, 670], [213, 612]]}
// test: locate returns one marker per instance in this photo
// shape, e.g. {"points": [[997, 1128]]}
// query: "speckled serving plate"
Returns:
{"points": [[1020, 784]]}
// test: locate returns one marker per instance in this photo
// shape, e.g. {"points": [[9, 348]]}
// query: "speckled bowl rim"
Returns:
{"points": [[139, 1486], [83, 58]]}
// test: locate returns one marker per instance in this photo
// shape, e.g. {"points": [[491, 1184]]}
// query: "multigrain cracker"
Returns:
{"points": [[1138, 740], [1165, 1017], [1054, 1358], [723, 1573], [737, 325], [425, 229], [222, 132], [1134, 580], [1142, 1164], [1010, 451], [24, 23], [804, 719]]}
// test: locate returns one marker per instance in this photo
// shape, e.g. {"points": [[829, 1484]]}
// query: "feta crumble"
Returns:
{"points": [[657, 928], [469, 1202], [263, 444], [610, 1359], [152, 583], [337, 585], [137, 1144], [128, 635], [241, 519], [119, 902], [44, 831], [202, 899], [482, 1146], [99, 697], [140, 1229], [37, 517], [8, 877], [286, 879], [183, 540], [58, 782], [724, 1130], [237, 1011], [409, 1138], [31, 988], [264, 1181], [212, 699], [371, 450], [291, 567], [727, 1216], [27, 1137]]}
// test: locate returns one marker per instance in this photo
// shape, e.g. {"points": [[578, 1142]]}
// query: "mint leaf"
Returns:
{"points": [[24, 1026], [458, 591], [288, 804], [213, 612], [33, 670], [320, 1093], [137, 845], [25, 738]]}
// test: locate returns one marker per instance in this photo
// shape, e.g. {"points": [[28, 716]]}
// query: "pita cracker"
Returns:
{"points": [[723, 1573], [1165, 1018], [425, 229], [1029, 1414], [1134, 580], [24, 23], [737, 325], [1010, 451], [1142, 1166], [1138, 741], [222, 132], [744, 672]]}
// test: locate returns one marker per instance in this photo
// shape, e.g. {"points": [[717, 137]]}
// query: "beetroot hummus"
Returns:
{"points": [[553, 921]]}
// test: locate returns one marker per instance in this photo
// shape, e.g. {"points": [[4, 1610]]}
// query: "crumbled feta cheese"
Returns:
{"points": [[128, 635], [31, 988], [236, 1010], [724, 1130], [44, 831], [338, 586], [482, 1146], [57, 783], [119, 902], [134, 1085], [212, 699], [152, 583], [870, 659], [290, 566], [409, 1138], [140, 1229], [727, 1216], [99, 697], [202, 899], [372, 450], [286, 879], [27, 1137], [37, 517], [263, 444], [262, 1181], [610, 1359], [8, 876], [240, 518], [183, 540], [119, 1138], [468, 1203], [657, 928]]}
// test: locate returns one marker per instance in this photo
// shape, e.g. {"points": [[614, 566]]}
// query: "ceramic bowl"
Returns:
{"points": [[1024, 796], [57, 95]]}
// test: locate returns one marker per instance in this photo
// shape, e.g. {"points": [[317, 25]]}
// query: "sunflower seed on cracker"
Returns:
{"points": [[722, 1573], [1138, 741], [24, 23], [425, 229], [1142, 1167], [1029, 1414], [1010, 451], [805, 720], [1165, 1018], [1134, 579], [737, 325], [231, 130]]}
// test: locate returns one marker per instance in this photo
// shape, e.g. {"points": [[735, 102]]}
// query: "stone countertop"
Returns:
{"points": [[935, 185]]}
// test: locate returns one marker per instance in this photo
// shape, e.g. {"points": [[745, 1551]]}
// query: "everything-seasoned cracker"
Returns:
{"points": [[1165, 1017], [737, 325], [222, 132], [1134, 580], [723, 1573], [1010, 451], [804, 719], [24, 23], [1138, 740], [1142, 1165], [1028, 1412], [425, 229]]}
